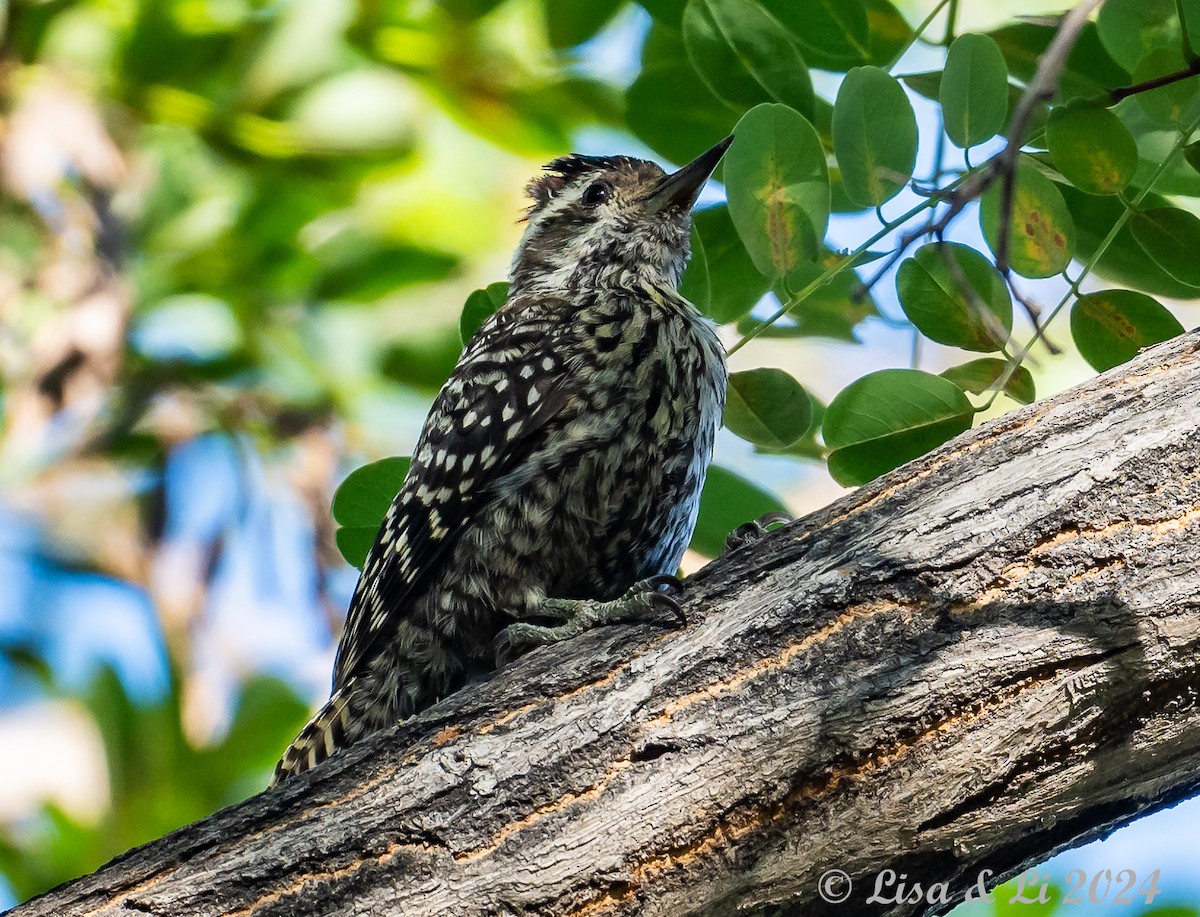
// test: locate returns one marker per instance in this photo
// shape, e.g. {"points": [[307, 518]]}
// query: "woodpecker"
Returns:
{"points": [[556, 481]]}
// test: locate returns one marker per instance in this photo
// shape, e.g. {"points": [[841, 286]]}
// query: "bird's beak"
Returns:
{"points": [[680, 189]]}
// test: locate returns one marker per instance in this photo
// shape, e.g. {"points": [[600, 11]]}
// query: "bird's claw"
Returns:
{"points": [[667, 599], [750, 532]]}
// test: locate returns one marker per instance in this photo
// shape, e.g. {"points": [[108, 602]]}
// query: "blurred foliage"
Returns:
{"points": [[239, 217]]}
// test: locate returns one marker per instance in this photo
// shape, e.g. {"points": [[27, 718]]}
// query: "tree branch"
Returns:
{"points": [[978, 660]]}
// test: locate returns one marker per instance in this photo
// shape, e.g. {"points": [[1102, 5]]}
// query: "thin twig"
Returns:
{"points": [[1124, 92]]}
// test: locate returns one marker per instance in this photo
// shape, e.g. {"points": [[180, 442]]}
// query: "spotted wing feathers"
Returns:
{"points": [[506, 387]]}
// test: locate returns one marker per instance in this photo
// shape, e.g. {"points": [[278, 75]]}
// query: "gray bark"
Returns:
{"points": [[980, 659]]}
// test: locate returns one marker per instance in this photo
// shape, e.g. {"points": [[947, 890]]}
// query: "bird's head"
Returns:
{"points": [[599, 221]]}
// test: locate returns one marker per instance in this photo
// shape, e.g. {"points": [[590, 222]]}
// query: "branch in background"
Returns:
{"points": [[971, 663]]}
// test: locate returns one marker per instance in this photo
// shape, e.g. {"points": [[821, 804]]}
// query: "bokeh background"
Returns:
{"points": [[235, 239]]}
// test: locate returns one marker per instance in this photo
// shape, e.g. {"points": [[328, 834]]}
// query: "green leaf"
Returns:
{"points": [[832, 310], [874, 136], [889, 417], [767, 407], [974, 90], [670, 110], [889, 32], [569, 22], [1111, 326], [383, 271], [727, 501], [744, 55], [831, 34], [1130, 29], [1124, 262], [929, 86], [1174, 105], [962, 303], [1191, 153], [1089, 71], [1091, 147], [979, 376], [1041, 235], [778, 188], [724, 284], [479, 307], [361, 502], [1172, 238], [354, 543]]}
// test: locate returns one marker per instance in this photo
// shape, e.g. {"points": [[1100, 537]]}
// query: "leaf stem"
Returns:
{"points": [[925, 23]]}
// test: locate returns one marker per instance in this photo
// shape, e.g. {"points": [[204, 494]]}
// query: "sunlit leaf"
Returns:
{"points": [[1041, 236], [1111, 326], [979, 376], [874, 136], [1091, 147], [889, 417], [955, 296], [974, 90], [778, 188], [767, 407]]}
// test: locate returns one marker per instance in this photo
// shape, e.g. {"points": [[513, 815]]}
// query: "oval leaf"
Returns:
{"points": [[874, 136], [778, 188], [981, 376], [479, 306], [1111, 326], [962, 302], [1124, 261], [1130, 28], [744, 55], [767, 407], [831, 34], [721, 279], [668, 108], [1041, 236], [974, 90], [1172, 238], [1091, 147], [362, 500], [1175, 104], [727, 501], [889, 417]]}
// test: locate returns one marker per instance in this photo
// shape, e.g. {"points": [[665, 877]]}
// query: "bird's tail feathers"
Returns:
{"points": [[325, 733]]}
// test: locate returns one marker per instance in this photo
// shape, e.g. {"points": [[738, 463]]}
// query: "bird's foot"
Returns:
{"points": [[645, 601], [750, 532]]}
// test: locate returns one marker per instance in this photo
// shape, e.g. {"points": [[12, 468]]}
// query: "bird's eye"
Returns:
{"points": [[596, 193]]}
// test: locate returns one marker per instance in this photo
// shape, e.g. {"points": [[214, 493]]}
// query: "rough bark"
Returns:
{"points": [[978, 660]]}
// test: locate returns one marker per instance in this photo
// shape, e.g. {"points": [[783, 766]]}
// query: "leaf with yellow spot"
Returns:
{"points": [[1041, 237], [1111, 326], [778, 188], [1091, 147]]}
